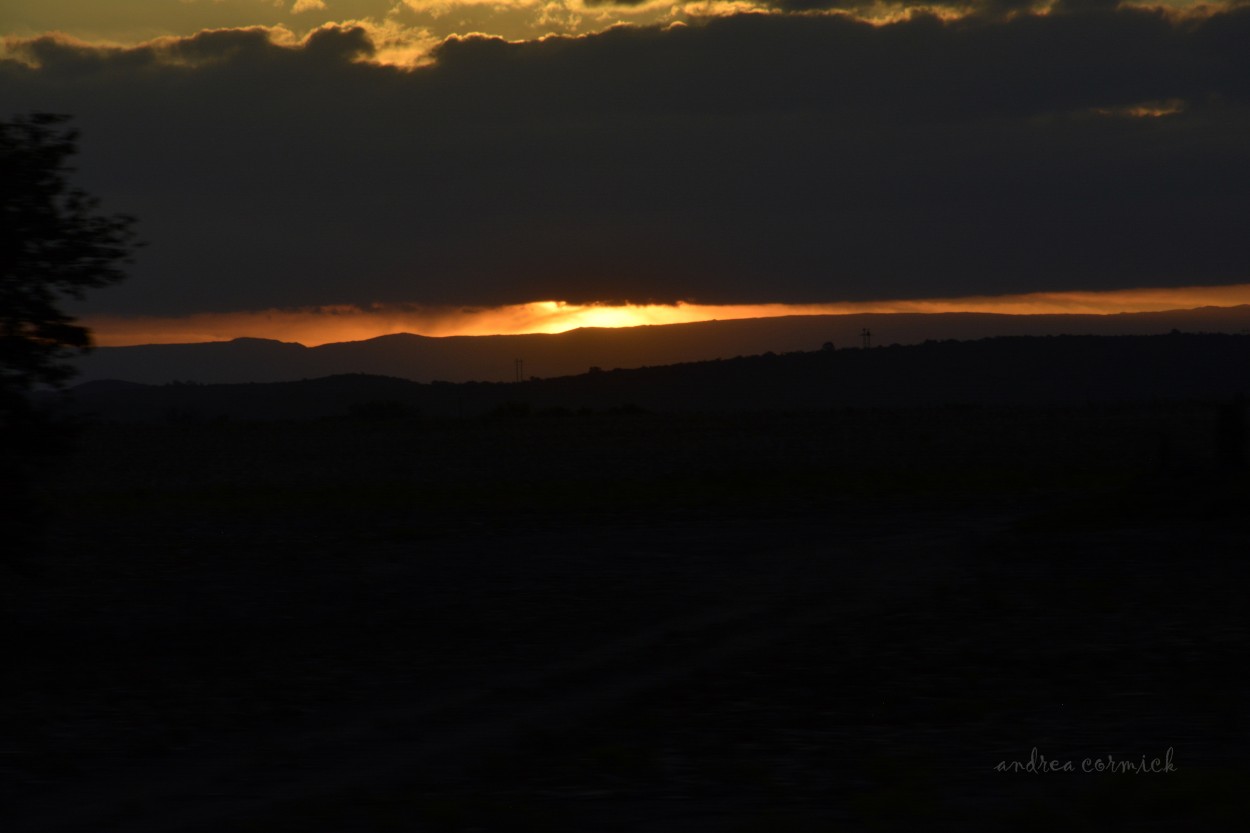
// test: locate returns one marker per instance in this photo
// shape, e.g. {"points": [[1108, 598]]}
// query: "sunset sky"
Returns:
{"points": [[321, 169]]}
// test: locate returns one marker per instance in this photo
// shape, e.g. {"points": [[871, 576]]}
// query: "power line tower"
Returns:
{"points": [[866, 335], [519, 366]]}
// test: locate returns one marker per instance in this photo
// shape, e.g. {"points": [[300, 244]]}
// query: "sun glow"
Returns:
{"points": [[321, 325], [1144, 110]]}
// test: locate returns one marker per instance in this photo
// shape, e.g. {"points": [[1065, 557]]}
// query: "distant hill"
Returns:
{"points": [[1006, 371], [492, 358]]}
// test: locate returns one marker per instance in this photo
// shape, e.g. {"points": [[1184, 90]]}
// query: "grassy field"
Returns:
{"points": [[634, 622]]}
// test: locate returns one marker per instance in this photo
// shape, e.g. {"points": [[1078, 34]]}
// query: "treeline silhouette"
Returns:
{"points": [[1005, 371]]}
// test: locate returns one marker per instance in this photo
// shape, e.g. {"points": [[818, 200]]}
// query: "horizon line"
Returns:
{"points": [[316, 326]]}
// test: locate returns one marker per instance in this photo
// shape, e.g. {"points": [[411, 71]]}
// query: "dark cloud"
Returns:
{"points": [[338, 44], [593, 4], [1082, 6], [752, 158], [980, 8], [992, 9]]}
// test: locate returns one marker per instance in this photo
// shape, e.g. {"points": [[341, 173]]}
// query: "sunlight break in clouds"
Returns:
{"points": [[141, 21], [322, 325]]}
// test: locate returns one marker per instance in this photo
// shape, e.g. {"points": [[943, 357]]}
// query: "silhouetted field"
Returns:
{"points": [[493, 358], [1063, 370], [629, 621]]}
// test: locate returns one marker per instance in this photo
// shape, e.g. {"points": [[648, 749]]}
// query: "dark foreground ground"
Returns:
{"points": [[839, 621]]}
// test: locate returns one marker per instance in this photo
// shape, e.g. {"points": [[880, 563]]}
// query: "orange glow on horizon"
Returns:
{"points": [[313, 326]]}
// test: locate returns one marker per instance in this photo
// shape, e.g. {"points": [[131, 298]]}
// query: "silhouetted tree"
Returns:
{"points": [[54, 245]]}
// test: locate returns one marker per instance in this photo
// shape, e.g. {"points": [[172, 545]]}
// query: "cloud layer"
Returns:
{"points": [[747, 159]]}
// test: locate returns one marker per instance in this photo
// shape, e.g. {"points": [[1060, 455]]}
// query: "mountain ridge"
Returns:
{"points": [[494, 358], [1005, 371]]}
